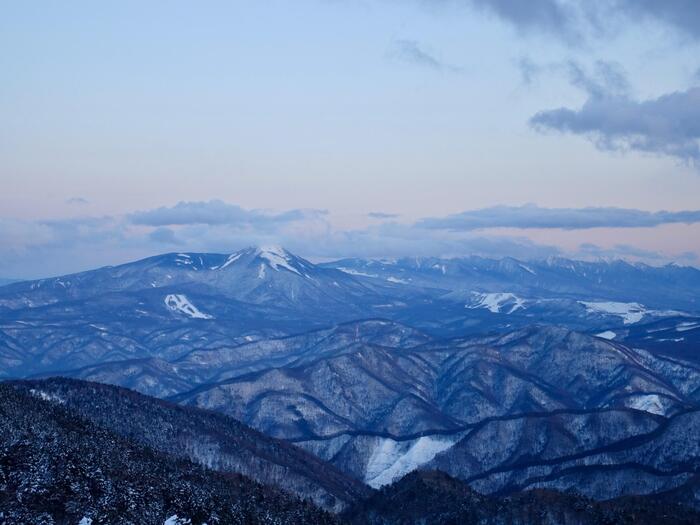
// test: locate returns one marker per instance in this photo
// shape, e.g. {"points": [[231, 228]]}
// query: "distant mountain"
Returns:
{"points": [[165, 306], [435, 498], [59, 467], [674, 337], [658, 288], [268, 276], [4, 282]]}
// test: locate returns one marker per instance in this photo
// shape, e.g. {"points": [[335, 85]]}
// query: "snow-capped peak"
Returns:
{"points": [[276, 258], [272, 250]]}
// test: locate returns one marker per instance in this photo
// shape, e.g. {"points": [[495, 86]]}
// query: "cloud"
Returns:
{"points": [[77, 200], [535, 16], [529, 70], [683, 15], [410, 51], [572, 21], [668, 125], [164, 236], [531, 216], [381, 215], [217, 212], [402, 240], [34, 249], [618, 251], [44, 248], [608, 78]]}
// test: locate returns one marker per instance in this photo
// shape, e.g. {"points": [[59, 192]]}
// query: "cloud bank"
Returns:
{"points": [[216, 212], [382, 215], [533, 217], [46, 248]]}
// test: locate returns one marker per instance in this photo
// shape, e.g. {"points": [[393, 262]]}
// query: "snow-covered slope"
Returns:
{"points": [[497, 302], [629, 312], [180, 303]]}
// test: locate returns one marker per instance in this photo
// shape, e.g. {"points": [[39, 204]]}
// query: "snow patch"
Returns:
{"points": [[497, 302], [350, 271], [648, 403], [176, 520], [396, 280], [608, 334], [392, 459], [440, 267], [527, 269], [85, 521], [180, 303], [629, 312], [53, 398], [684, 327], [183, 258], [231, 259]]}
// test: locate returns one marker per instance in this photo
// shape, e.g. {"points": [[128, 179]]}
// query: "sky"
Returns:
{"points": [[341, 128]]}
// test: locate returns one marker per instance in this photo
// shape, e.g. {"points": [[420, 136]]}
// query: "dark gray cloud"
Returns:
{"points": [[683, 15], [573, 20], [381, 215], [667, 125], [531, 217], [216, 212], [412, 52], [551, 16]]}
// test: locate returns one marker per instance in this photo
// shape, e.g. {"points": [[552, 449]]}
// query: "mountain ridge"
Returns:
{"points": [[207, 438]]}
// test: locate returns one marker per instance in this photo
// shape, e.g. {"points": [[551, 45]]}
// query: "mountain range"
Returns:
{"points": [[328, 381], [165, 306]]}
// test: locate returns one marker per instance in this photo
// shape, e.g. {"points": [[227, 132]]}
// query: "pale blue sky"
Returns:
{"points": [[416, 108]]}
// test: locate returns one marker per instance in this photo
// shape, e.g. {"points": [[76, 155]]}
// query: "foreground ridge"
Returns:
{"points": [[436, 498], [56, 467]]}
